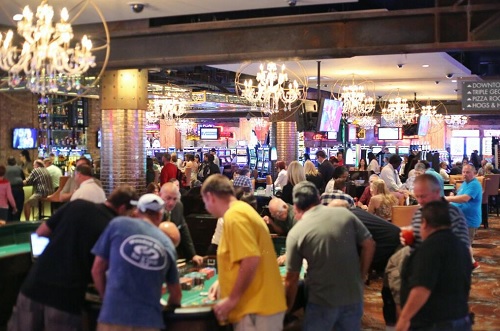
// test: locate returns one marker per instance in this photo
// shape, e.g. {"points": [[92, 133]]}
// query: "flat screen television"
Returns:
{"points": [[331, 135], [389, 133], [404, 150], [24, 138], [330, 114], [410, 129], [423, 125], [209, 133]]}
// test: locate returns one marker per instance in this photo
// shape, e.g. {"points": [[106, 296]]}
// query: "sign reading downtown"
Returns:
{"points": [[481, 95]]}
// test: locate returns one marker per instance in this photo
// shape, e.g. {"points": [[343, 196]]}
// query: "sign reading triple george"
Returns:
{"points": [[481, 95]]}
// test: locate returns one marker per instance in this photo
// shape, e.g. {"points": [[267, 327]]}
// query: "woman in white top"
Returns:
{"points": [[373, 165], [194, 167], [442, 171], [281, 180]]}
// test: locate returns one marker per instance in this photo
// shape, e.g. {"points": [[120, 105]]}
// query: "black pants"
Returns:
{"points": [[18, 194]]}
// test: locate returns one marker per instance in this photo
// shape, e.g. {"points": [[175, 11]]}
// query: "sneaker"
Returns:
{"points": [[475, 266]]}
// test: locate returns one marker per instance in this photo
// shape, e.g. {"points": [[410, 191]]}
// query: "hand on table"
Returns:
{"points": [[213, 291], [198, 260]]}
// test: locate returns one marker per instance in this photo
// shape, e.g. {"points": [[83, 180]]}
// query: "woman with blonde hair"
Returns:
{"points": [[295, 175], [313, 176], [382, 200]]}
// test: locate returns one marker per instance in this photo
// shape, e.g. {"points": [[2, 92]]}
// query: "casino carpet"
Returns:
{"points": [[485, 292]]}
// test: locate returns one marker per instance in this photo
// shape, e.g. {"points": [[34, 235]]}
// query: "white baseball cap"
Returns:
{"points": [[149, 201]]}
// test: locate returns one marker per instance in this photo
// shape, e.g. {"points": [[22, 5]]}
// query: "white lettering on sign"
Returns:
{"points": [[484, 85]]}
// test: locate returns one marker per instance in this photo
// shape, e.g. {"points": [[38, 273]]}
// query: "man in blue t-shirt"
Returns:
{"points": [[469, 198], [133, 259]]}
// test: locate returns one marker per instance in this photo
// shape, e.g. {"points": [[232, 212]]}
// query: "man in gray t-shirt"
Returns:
{"points": [[328, 239]]}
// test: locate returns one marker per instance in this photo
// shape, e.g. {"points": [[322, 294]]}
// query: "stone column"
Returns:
{"points": [[124, 102], [284, 136]]}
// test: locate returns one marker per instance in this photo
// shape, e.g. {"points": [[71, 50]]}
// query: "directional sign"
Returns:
{"points": [[481, 95]]}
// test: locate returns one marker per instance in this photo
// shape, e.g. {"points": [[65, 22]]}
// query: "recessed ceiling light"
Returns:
{"points": [[17, 17], [425, 66], [453, 80]]}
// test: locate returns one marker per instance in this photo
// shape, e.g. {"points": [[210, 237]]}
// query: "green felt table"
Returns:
{"points": [[10, 250], [194, 297]]}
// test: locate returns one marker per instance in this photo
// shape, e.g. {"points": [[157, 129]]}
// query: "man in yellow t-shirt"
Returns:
{"points": [[251, 291]]}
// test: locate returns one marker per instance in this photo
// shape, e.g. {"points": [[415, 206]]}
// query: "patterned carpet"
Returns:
{"points": [[485, 292]]}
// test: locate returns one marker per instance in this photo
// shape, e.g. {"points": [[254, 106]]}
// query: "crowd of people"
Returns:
{"points": [[128, 244]]}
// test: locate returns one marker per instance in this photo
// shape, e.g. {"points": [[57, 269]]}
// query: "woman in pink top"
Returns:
{"points": [[6, 197]]}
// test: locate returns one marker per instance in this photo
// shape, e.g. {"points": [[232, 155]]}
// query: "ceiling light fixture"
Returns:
{"points": [[273, 91], [168, 102], [46, 62], [358, 100], [184, 125], [397, 112], [456, 121]]}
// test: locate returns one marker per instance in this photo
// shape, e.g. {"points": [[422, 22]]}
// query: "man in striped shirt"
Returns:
{"points": [[42, 186], [426, 189]]}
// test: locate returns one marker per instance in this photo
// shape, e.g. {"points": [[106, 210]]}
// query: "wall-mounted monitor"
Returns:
{"points": [[24, 138], [404, 150], [390, 133], [330, 114], [331, 135], [209, 133], [423, 125], [392, 149]]}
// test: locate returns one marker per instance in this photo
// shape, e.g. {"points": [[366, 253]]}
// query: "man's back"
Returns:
{"points": [[168, 172], [326, 169], [139, 257], [61, 274], [329, 244], [442, 264]]}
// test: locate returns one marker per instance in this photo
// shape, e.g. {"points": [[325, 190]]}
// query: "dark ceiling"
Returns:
{"points": [[482, 63]]}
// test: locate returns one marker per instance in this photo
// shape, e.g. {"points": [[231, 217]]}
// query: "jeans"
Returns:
{"points": [[343, 318], [460, 324]]}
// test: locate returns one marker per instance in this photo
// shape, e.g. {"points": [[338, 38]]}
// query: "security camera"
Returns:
{"points": [[137, 7], [248, 117], [436, 82], [292, 3], [400, 65], [449, 76]]}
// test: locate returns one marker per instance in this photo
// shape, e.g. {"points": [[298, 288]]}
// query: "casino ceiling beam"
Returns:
{"points": [[311, 36]]}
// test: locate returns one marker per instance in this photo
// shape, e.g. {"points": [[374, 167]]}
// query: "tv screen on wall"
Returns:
{"points": [[24, 138], [209, 133], [330, 114], [389, 133]]}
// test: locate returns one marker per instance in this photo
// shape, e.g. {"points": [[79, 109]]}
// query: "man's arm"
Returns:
{"points": [[462, 198], [99, 274], [291, 286], [246, 274], [366, 255], [175, 294], [417, 298], [186, 243], [278, 229]]}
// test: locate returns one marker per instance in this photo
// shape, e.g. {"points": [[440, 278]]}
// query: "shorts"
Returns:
{"points": [[472, 234], [33, 200]]}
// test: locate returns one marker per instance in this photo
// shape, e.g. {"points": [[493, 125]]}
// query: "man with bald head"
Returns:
{"points": [[174, 212], [282, 216]]}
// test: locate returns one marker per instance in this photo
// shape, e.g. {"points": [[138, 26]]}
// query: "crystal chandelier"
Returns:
{"points": [[431, 112], [170, 103], [365, 122], [355, 101], [455, 121], [398, 113], [47, 60], [258, 122], [184, 125], [273, 88]]}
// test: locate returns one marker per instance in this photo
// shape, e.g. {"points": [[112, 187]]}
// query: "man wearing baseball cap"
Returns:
{"points": [[133, 259]]}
